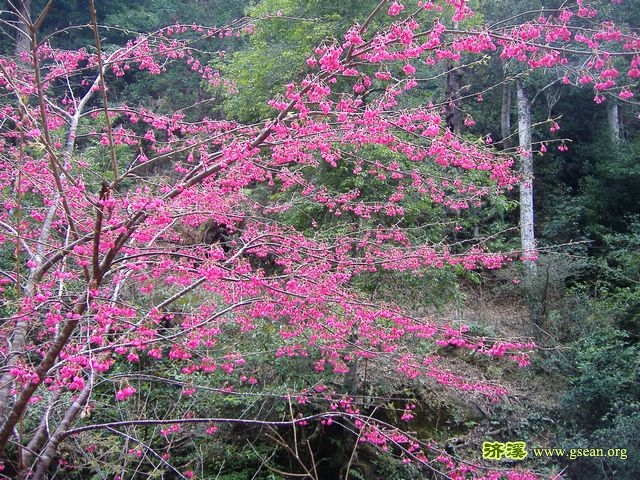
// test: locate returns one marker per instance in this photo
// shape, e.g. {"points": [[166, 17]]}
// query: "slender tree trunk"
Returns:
{"points": [[453, 89], [614, 120], [527, 235], [505, 114], [11, 410], [53, 442], [23, 37]]}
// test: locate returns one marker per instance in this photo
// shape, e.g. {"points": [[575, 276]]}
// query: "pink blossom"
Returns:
{"points": [[409, 69], [395, 8], [432, 131], [625, 94], [77, 383], [125, 393]]}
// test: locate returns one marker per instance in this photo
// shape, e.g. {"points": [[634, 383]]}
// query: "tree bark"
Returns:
{"points": [[505, 115], [51, 447], [23, 36], [453, 89], [527, 234], [613, 119]]}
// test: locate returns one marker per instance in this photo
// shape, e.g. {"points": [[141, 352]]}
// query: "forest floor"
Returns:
{"points": [[529, 411]]}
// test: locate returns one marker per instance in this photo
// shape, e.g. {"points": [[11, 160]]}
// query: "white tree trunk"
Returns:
{"points": [[505, 114], [527, 235], [23, 37], [614, 120]]}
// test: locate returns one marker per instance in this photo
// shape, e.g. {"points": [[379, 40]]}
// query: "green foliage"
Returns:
{"points": [[149, 15], [286, 32], [590, 190], [606, 364], [601, 402], [605, 206], [390, 468], [429, 288]]}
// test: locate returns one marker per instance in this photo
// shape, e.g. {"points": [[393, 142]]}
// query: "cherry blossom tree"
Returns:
{"points": [[133, 239]]}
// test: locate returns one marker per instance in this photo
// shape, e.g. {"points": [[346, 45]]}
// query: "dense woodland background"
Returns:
{"points": [[582, 308]]}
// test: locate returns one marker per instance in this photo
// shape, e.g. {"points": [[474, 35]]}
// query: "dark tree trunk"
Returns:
{"points": [[453, 93]]}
